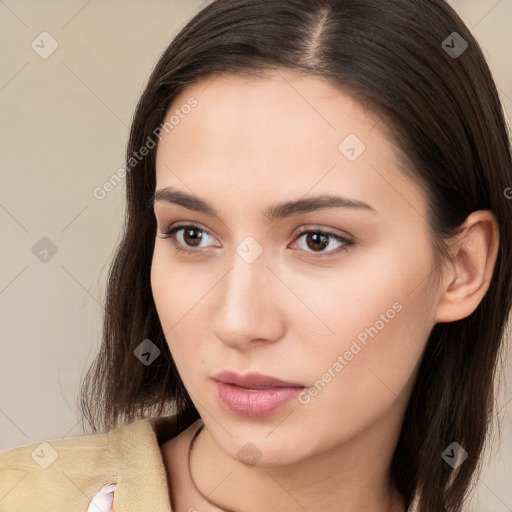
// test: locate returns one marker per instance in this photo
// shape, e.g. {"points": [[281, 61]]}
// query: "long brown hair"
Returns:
{"points": [[438, 99]]}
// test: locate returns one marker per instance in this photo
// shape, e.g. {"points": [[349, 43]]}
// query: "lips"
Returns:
{"points": [[254, 394], [253, 380]]}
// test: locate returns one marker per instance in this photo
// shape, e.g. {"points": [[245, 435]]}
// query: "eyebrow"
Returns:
{"points": [[272, 212]]}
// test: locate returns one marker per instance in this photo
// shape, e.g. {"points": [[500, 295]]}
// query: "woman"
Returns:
{"points": [[308, 304]]}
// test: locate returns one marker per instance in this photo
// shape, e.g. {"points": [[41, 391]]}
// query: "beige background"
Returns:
{"points": [[65, 125]]}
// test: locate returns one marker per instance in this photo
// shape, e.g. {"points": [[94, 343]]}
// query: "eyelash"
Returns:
{"points": [[171, 231]]}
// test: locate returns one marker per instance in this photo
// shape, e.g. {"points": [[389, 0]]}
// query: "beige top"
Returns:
{"points": [[64, 475]]}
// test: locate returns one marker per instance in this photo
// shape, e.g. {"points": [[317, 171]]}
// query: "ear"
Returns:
{"points": [[466, 278]]}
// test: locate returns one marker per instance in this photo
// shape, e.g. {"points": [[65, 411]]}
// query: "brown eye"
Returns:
{"points": [[191, 236], [317, 240]]}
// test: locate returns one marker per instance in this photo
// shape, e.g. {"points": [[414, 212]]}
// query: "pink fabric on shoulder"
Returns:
{"points": [[102, 502]]}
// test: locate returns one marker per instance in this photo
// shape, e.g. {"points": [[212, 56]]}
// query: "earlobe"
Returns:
{"points": [[467, 277]]}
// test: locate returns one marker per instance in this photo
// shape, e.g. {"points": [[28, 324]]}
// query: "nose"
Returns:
{"points": [[249, 310]]}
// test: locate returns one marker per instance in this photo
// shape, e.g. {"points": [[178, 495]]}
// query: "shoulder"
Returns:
{"points": [[65, 474], [55, 475]]}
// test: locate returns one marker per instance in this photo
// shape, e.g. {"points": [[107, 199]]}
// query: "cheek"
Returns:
{"points": [[177, 288], [179, 294], [372, 294], [160, 280], [359, 382], [380, 314]]}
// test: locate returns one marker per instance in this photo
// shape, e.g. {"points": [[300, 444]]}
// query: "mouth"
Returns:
{"points": [[254, 395]]}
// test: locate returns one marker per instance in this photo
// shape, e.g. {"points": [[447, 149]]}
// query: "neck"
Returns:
{"points": [[355, 474]]}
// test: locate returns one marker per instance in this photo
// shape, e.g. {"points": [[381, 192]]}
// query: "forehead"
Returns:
{"points": [[285, 132], [266, 112]]}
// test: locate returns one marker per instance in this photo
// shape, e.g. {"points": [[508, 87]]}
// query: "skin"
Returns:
{"points": [[290, 313]]}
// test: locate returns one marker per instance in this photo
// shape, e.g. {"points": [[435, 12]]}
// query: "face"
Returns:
{"points": [[333, 293]]}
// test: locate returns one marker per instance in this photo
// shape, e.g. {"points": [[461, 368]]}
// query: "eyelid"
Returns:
{"points": [[321, 229]]}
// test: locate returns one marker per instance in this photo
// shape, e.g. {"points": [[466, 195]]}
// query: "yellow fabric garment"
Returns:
{"points": [[129, 456]]}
